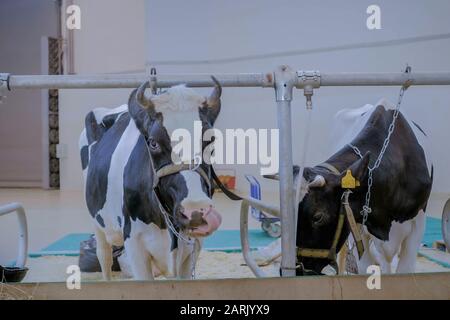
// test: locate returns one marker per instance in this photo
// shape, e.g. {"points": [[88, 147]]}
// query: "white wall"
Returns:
{"points": [[199, 30], [111, 39], [22, 25]]}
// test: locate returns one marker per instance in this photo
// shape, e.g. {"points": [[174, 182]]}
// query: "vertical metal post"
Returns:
{"points": [[285, 79]]}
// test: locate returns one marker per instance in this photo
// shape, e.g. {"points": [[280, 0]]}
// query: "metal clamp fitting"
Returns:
{"points": [[4, 85], [308, 80], [408, 81], [285, 79], [153, 80]]}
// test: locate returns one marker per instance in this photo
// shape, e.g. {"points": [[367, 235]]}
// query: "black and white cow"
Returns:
{"points": [[400, 191], [121, 149]]}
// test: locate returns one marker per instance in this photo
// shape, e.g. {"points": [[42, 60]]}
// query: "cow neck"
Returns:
{"points": [[342, 159]]}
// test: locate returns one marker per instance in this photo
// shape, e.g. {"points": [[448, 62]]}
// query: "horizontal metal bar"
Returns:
{"points": [[134, 80], [384, 79], [227, 80]]}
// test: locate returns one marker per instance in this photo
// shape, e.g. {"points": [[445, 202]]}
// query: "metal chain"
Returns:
{"points": [[366, 210], [172, 227], [179, 235]]}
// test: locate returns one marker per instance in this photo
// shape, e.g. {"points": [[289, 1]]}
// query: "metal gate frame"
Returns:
{"points": [[284, 79]]}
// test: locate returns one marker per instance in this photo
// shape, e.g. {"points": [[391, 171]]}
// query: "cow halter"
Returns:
{"points": [[170, 169], [348, 182]]}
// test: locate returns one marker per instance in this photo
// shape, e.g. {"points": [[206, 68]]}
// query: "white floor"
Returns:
{"points": [[53, 214]]}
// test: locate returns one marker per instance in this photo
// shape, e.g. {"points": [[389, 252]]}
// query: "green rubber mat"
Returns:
{"points": [[222, 240]]}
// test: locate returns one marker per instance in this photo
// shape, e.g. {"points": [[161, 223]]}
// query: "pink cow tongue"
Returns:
{"points": [[213, 221]]}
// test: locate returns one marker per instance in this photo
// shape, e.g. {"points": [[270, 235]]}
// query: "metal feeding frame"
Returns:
{"points": [[283, 80], [22, 251]]}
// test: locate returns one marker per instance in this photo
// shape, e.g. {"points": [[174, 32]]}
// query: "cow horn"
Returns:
{"points": [[319, 181], [142, 99], [214, 98]]}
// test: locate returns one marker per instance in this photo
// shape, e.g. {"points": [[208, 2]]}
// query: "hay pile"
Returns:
{"points": [[211, 265], [11, 292]]}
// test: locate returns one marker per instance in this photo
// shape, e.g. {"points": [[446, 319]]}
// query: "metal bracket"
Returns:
{"points": [[285, 80], [4, 85], [308, 81], [408, 81], [153, 80]]}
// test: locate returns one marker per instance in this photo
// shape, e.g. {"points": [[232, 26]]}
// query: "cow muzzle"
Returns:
{"points": [[201, 222]]}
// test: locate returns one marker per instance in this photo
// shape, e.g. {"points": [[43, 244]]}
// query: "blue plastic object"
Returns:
{"points": [[255, 193]]}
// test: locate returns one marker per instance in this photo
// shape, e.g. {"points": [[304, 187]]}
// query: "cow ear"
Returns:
{"points": [[359, 168], [93, 129]]}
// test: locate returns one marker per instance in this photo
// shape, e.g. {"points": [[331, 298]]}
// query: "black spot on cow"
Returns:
{"points": [[174, 241], [119, 220], [110, 119], [84, 154], [126, 226], [100, 220], [97, 175]]}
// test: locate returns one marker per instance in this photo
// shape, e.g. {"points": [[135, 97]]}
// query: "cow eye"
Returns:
{"points": [[153, 144], [318, 218]]}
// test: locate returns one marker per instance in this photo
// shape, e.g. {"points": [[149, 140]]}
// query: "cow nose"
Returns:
{"points": [[196, 219], [195, 216], [201, 221]]}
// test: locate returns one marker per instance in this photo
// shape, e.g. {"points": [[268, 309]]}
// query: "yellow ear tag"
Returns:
{"points": [[348, 181]]}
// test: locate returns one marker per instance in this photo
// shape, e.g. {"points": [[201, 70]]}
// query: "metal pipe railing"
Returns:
{"points": [[384, 79], [22, 252], [134, 80], [245, 205], [227, 80]]}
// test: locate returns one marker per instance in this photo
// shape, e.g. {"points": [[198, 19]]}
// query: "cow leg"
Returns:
{"points": [[139, 259], [104, 253], [411, 245], [385, 251], [389, 250], [185, 270], [372, 255], [185, 254]]}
